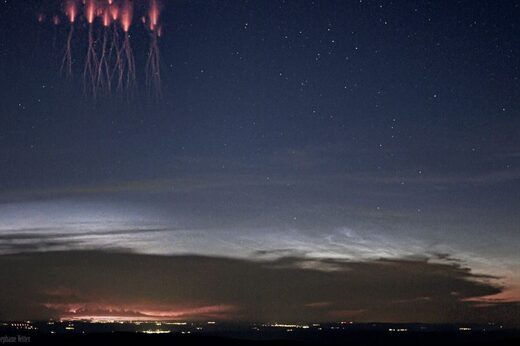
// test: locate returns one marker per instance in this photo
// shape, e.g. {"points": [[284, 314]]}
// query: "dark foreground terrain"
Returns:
{"points": [[216, 333], [356, 338]]}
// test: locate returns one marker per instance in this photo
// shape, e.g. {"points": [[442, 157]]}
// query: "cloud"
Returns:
{"points": [[47, 239], [95, 283], [16, 235], [309, 166]]}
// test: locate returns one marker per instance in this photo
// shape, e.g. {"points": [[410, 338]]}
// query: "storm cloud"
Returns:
{"points": [[85, 284]]}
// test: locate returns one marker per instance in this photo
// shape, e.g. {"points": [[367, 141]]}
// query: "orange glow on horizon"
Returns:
{"points": [[101, 312], [508, 295]]}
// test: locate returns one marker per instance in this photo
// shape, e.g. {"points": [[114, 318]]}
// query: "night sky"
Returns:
{"points": [[307, 160]]}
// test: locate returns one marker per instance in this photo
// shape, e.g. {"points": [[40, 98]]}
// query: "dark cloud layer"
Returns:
{"points": [[94, 283]]}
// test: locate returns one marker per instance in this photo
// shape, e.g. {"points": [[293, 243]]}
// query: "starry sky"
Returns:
{"points": [[312, 160]]}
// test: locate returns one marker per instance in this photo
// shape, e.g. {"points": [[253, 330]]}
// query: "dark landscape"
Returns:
{"points": [[202, 333]]}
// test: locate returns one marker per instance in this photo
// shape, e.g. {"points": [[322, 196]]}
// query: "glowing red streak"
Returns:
{"points": [[41, 17], [90, 11], [106, 18], [56, 20], [153, 14], [71, 10], [126, 16], [114, 12]]}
